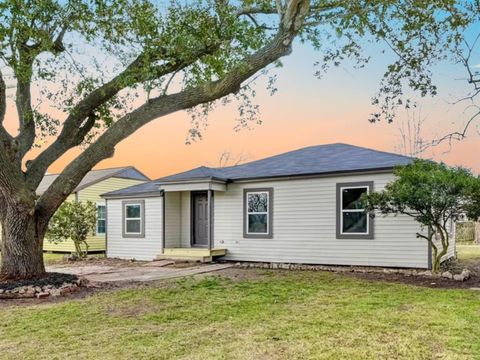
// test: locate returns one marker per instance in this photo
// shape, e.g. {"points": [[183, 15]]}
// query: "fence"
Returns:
{"points": [[467, 232]]}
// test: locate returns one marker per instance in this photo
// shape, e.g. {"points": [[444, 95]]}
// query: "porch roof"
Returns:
{"points": [[150, 188]]}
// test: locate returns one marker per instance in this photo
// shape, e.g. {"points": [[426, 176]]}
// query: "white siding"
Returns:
{"points": [[173, 209], [146, 248], [185, 219], [304, 227]]}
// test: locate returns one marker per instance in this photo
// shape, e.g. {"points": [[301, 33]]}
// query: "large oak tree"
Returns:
{"points": [[112, 66]]}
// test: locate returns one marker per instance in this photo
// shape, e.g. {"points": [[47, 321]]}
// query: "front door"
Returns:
{"points": [[200, 219]]}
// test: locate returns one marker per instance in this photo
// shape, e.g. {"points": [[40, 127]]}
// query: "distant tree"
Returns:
{"points": [[74, 220], [109, 67], [227, 158], [434, 195], [412, 141]]}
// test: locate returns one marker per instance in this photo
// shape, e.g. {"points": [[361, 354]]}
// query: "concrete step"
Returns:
{"points": [[194, 252], [202, 259]]}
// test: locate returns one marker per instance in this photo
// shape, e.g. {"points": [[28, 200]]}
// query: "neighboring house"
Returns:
{"points": [[298, 207], [95, 183]]}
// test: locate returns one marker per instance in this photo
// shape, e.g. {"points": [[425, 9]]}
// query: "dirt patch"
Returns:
{"points": [[424, 281], [185, 264], [237, 274], [455, 267], [101, 262]]}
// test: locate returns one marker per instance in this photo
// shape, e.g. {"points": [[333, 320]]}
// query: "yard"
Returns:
{"points": [[53, 258], [251, 314]]}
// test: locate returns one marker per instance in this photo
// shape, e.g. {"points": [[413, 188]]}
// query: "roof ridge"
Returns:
{"points": [[281, 154], [378, 151], [312, 147]]}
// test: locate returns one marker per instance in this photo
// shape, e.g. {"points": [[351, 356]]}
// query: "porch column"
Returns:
{"points": [[209, 212]]}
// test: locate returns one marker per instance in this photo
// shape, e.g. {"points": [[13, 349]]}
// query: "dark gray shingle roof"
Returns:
{"points": [[313, 160], [199, 173], [140, 189], [94, 176], [320, 159]]}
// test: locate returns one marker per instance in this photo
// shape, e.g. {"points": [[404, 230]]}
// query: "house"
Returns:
{"points": [[298, 207], [95, 183]]}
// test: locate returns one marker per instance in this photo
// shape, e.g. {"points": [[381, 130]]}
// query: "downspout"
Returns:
{"points": [[163, 224]]}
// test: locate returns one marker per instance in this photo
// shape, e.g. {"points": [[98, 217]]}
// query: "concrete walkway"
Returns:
{"points": [[96, 273]]}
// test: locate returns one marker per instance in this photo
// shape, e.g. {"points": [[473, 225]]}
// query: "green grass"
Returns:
{"points": [[48, 258], [468, 252], [52, 258], [55, 258], [273, 315]]}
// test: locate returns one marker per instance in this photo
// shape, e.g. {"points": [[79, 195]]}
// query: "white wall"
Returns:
{"points": [[146, 248], [173, 211], [185, 219], [304, 227], [304, 224]]}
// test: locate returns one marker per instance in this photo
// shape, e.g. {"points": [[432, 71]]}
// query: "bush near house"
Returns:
{"points": [[74, 220], [433, 194]]}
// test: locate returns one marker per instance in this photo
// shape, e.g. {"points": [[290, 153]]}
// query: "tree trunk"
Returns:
{"points": [[22, 247]]}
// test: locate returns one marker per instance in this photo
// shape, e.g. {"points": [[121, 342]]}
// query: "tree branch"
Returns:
{"points": [[72, 135], [26, 137], [104, 146], [4, 135], [251, 10]]}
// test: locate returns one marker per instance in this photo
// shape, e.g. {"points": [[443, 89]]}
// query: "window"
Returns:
{"points": [[101, 219], [352, 220], [258, 213], [133, 218]]}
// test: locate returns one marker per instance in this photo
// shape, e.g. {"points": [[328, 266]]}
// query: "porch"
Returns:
{"points": [[188, 216], [192, 254]]}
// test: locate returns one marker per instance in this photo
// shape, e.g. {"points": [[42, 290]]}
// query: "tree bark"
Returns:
{"points": [[22, 246]]}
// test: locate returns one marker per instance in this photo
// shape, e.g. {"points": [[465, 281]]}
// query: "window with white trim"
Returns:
{"points": [[101, 219], [133, 217], [258, 213], [352, 219]]}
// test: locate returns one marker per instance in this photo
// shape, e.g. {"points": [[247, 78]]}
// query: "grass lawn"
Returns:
{"points": [[52, 258], [48, 258], [468, 252], [260, 314], [55, 258]]}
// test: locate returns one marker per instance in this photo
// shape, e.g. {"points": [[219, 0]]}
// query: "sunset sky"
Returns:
{"points": [[305, 111]]}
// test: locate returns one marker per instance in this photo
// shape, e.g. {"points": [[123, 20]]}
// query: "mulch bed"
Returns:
{"points": [[423, 281], [53, 278]]}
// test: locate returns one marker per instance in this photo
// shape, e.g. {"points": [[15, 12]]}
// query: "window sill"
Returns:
{"points": [[258, 236]]}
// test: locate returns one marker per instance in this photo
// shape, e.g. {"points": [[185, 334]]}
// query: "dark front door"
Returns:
{"points": [[200, 219]]}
